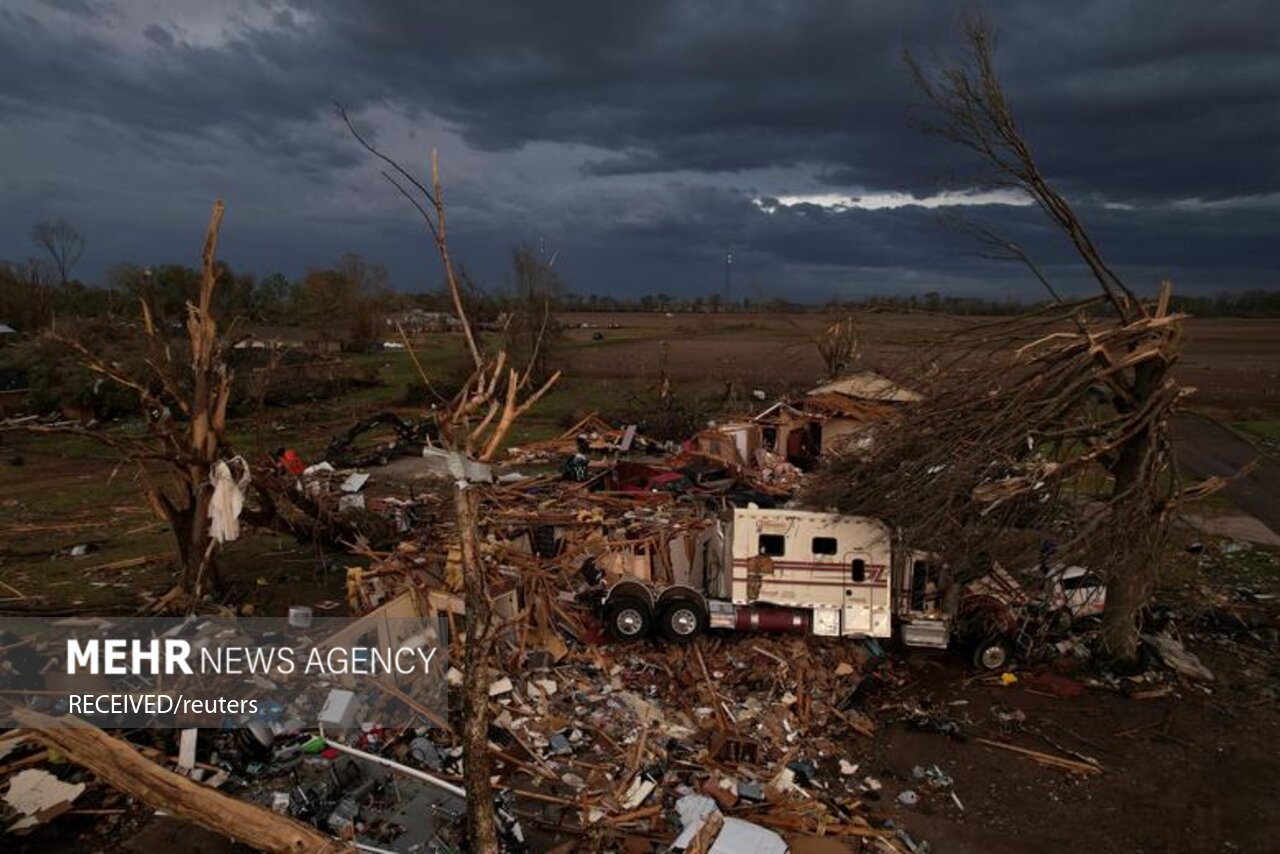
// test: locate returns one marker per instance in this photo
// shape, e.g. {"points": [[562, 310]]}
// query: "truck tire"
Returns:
{"points": [[682, 620], [992, 654], [628, 618]]}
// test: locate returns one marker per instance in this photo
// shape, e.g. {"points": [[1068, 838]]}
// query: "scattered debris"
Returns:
{"points": [[38, 796], [1174, 654]]}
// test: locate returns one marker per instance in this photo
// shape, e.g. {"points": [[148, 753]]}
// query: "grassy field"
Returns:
{"points": [[71, 491], [1266, 428]]}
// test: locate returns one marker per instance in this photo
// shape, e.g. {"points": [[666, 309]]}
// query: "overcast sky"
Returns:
{"points": [[640, 141]]}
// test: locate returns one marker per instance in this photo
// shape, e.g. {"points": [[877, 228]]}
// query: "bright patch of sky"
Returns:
{"points": [[883, 201], [1262, 201]]}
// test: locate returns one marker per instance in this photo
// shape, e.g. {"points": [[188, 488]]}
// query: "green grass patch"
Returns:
{"points": [[570, 399], [1268, 428]]}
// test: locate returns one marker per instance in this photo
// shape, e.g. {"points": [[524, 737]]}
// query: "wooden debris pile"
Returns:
{"points": [[619, 733], [604, 738], [592, 434]]}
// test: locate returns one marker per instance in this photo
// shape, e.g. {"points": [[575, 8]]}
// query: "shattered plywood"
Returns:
{"points": [[38, 796]]}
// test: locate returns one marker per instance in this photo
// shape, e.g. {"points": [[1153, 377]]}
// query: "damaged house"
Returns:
{"points": [[836, 418]]}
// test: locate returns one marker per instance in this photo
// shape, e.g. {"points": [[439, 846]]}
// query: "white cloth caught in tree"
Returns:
{"points": [[228, 499]]}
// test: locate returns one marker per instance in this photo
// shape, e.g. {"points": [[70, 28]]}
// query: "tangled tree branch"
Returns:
{"points": [[479, 417], [1055, 422], [971, 110]]}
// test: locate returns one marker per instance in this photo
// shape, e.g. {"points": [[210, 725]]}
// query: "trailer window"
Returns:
{"points": [[859, 570], [772, 545], [825, 545]]}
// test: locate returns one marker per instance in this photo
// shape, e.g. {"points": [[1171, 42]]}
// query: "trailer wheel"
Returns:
{"points": [[682, 620], [992, 654], [628, 618]]}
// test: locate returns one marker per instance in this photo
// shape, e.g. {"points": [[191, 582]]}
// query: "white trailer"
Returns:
{"points": [[790, 571]]}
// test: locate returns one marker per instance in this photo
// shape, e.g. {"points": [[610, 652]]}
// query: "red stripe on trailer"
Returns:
{"points": [[826, 565], [806, 583]]}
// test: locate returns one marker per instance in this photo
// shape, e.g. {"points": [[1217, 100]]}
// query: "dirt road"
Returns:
{"points": [[1206, 448]]}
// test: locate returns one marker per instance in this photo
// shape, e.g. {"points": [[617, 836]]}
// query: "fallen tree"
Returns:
{"points": [[116, 763]]}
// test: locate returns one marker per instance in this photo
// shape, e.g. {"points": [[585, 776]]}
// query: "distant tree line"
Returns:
{"points": [[349, 301], [347, 305], [1255, 303], [1244, 304], [715, 304]]}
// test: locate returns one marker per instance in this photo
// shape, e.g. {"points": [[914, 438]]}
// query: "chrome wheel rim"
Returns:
{"points": [[684, 622], [629, 622], [993, 657]]}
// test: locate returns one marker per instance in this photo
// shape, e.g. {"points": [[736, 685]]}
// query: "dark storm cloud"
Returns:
{"points": [[169, 88], [668, 117], [159, 36], [1127, 98], [82, 8]]}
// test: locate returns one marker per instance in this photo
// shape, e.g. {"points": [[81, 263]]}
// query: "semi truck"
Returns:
{"points": [[783, 570]]}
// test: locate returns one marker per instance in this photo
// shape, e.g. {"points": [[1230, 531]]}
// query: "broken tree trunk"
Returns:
{"points": [[118, 764], [481, 831], [189, 521], [182, 399], [971, 110], [1132, 580]]}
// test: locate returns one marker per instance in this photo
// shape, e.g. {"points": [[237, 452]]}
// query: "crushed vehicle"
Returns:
{"points": [[1002, 616]]}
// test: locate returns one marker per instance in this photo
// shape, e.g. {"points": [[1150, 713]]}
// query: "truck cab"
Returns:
{"points": [[921, 584], [785, 570], [836, 567]]}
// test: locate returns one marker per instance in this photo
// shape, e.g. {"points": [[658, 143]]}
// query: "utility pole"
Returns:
{"points": [[728, 270]]}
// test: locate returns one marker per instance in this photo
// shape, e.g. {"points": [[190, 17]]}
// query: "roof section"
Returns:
{"points": [[868, 385], [843, 406]]}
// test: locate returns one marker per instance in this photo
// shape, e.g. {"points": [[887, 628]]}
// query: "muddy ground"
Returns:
{"points": [[1197, 770]]}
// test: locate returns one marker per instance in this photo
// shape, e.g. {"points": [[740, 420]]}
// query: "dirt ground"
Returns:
{"points": [[1195, 771], [87, 502], [1233, 364], [1186, 767]]}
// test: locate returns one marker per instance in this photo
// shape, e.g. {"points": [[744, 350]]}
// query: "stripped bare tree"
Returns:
{"points": [[62, 243], [479, 417], [1023, 418], [182, 399], [474, 421], [1135, 443], [838, 344]]}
